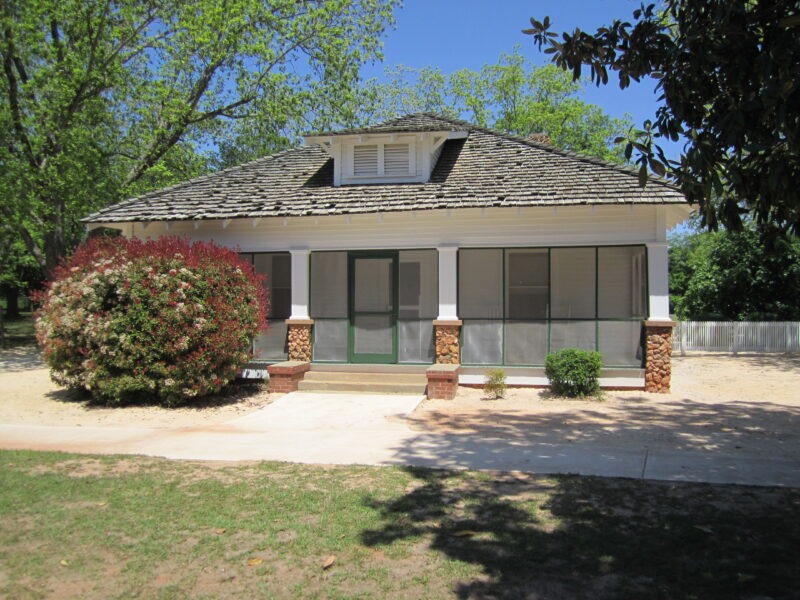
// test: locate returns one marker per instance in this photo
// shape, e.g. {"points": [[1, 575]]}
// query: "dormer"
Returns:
{"points": [[383, 157]]}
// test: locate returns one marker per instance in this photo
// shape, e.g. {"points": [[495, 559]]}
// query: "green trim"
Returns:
{"points": [[352, 355]]}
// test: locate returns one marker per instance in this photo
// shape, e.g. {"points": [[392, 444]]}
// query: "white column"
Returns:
{"points": [[658, 281], [300, 283], [448, 283]]}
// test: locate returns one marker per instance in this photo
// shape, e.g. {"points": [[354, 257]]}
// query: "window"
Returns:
{"points": [[518, 304], [382, 160]]}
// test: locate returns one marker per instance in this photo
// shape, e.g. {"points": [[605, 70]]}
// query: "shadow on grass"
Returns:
{"points": [[585, 537]]}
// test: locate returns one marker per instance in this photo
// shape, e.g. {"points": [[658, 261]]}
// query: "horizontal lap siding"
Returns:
{"points": [[468, 227]]}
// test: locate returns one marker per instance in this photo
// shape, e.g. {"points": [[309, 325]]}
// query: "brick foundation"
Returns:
{"points": [[443, 381], [658, 362], [448, 342], [284, 376], [299, 336]]}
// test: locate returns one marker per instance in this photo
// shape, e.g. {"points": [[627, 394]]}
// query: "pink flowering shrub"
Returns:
{"points": [[164, 320]]}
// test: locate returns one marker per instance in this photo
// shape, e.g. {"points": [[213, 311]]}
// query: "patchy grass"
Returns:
{"points": [[120, 527], [19, 331]]}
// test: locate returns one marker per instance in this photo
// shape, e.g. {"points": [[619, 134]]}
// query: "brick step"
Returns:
{"points": [[345, 377], [361, 387]]}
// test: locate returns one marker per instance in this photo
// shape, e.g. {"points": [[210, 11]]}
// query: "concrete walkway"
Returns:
{"points": [[370, 429]]}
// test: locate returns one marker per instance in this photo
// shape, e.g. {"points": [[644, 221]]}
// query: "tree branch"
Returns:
{"points": [[13, 100]]}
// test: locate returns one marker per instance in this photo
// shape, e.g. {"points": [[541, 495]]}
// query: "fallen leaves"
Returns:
{"points": [[220, 530], [64, 563], [255, 561], [328, 562]]}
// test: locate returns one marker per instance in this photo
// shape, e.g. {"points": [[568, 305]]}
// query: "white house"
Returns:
{"points": [[428, 240]]}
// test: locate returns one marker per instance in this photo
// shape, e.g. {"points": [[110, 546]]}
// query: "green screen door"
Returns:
{"points": [[373, 308]]}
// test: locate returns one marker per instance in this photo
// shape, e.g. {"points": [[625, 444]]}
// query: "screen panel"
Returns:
{"points": [[328, 288], [620, 343], [525, 342], [330, 340], [620, 282], [572, 334], [415, 341], [572, 281], [480, 284], [482, 342]]}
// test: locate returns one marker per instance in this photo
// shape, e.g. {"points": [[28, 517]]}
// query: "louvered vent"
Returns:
{"points": [[365, 160], [395, 159]]}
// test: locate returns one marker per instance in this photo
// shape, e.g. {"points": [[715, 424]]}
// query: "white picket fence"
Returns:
{"points": [[737, 336]]}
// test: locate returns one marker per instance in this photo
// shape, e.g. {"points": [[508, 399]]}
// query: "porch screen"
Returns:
{"points": [[518, 304], [271, 345], [418, 295], [480, 305], [621, 281], [328, 305]]}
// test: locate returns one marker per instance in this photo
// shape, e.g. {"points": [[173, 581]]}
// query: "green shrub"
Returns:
{"points": [[163, 321], [495, 383], [573, 372]]}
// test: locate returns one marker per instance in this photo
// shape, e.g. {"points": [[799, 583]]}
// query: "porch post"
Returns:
{"points": [[299, 324], [658, 327], [447, 325]]}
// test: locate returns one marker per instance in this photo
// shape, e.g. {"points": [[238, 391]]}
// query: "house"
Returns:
{"points": [[427, 240]]}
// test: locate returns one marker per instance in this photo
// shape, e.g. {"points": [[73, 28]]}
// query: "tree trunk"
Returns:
{"points": [[55, 247], [12, 302]]}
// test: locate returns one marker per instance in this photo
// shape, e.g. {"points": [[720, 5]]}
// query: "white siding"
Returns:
{"points": [[498, 227]]}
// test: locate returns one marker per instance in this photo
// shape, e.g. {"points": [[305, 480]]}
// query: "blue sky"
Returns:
{"points": [[456, 34]]}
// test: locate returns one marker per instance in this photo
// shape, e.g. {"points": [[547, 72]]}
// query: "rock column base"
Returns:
{"points": [[658, 362], [448, 342], [299, 339]]}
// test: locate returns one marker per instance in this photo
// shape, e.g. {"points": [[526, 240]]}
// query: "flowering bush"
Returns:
{"points": [[165, 320]]}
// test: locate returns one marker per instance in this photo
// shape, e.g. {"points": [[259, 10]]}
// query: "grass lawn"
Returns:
{"points": [[129, 527], [19, 331]]}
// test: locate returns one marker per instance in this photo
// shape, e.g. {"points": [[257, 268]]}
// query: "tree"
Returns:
{"points": [[512, 96], [727, 77], [97, 94], [728, 276]]}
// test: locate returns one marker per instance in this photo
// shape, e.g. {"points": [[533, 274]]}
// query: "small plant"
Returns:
{"points": [[495, 383], [573, 372]]}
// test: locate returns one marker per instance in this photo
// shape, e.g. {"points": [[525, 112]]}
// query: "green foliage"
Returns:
{"points": [[512, 96], [101, 100], [163, 320], [573, 372], [730, 276], [727, 75], [495, 383]]}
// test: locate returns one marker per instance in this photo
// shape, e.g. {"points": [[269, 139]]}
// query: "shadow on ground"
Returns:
{"points": [[762, 428], [22, 357], [572, 537]]}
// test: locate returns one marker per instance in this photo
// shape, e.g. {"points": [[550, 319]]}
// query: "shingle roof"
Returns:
{"points": [[486, 169]]}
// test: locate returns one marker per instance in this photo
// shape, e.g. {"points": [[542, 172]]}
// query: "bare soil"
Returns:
{"points": [[29, 397], [731, 404]]}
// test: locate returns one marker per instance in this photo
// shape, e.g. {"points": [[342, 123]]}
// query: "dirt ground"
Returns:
{"points": [[29, 397], [731, 404]]}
